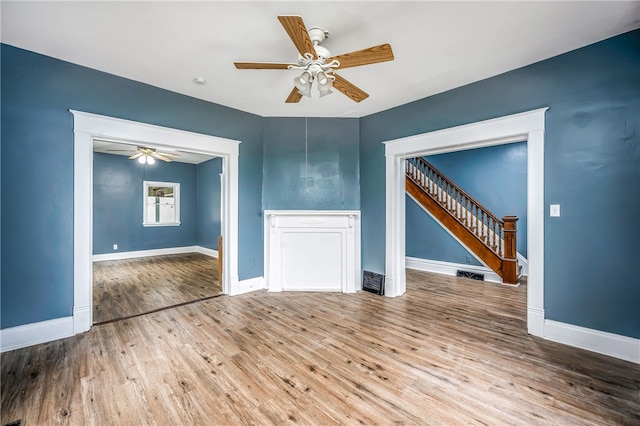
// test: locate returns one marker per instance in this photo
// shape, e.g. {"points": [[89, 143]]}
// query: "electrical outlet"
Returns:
{"points": [[468, 259], [554, 210], [115, 247]]}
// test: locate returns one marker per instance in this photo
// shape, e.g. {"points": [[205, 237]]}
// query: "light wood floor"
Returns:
{"points": [[450, 351], [129, 287]]}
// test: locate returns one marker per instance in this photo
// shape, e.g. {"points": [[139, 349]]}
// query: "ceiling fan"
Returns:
{"points": [[148, 155], [317, 64]]}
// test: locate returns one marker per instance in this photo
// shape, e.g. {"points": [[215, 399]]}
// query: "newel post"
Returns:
{"points": [[510, 262]]}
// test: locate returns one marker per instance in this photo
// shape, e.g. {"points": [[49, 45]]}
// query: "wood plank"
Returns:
{"points": [[128, 287], [450, 351]]}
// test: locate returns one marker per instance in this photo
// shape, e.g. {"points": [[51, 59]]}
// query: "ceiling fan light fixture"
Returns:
{"points": [[325, 90], [151, 160], [142, 159], [303, 88], [305, 77], [322, 78]]}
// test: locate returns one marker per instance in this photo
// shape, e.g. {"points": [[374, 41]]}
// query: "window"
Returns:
{"points": [[161, 204]]}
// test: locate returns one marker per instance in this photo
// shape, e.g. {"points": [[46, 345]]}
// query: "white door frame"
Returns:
{"points": [[87, 127], [528, 126]]}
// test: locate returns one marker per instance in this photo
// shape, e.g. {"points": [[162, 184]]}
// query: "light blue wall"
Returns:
{"points": [[209, 203], [495, 176], [331, 172], [592, 159], [37, 171], [117, 204]]}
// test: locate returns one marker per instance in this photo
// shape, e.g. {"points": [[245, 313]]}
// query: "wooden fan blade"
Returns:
{"points": [[161, 157], [371, 55], [294, 26], [121, 150], [349, 89], [260, 66], [136, 155], [294, 96], [169, 154]]}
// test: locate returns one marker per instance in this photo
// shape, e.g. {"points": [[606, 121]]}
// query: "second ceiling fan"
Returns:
{"points": [[317, 64]]}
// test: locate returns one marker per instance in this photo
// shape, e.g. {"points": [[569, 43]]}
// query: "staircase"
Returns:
{"points": [[492, 240]]}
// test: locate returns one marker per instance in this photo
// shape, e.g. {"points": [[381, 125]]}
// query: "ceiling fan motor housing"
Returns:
{"points": [[317, 35]]}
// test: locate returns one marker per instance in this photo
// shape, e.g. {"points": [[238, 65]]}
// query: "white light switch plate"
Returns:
{"points": [[554, 210]]}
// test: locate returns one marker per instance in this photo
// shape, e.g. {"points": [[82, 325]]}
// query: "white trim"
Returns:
{"points": [[145, 203], [527, 126], [35, 333], [281, 224], [87, 127], [148, 253], [615, 345], [207, 251], [451, 268], [251, 284]]}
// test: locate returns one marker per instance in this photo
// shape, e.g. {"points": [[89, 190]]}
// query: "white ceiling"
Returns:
{"points": [[115, 148], [437, 45]]}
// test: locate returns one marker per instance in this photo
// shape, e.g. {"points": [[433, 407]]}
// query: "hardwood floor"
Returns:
{"points": [[129, 287], [451, 351]]}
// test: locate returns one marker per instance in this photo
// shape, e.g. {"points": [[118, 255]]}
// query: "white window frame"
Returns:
{"points": [[145, 203]]}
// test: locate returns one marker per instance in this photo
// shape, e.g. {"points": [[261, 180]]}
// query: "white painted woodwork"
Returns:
{"points": [[312, 250], [526, 126], [88, 127], [451, 268], [154, 252]]}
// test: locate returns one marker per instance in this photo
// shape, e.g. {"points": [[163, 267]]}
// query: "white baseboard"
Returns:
{"points": [[207, 251], [535, 322], [450, 268], [614, 345], [35, 333], [154, 252], [252, 284]]}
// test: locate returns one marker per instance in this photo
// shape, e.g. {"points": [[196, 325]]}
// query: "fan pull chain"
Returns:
{"points": [[306, 158]]}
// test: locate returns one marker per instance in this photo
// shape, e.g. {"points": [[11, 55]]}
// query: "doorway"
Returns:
{"points": [[156, 223], [527, 126], [88, 127]]}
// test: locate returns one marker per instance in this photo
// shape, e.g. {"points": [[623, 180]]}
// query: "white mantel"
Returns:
{"points": [[312, 250]]}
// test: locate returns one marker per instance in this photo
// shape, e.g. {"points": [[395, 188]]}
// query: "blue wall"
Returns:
{"points": [[591, 167], [209, 203], [37, 171], [332, 169], [117, 204], [496, 176], [592, 157]]}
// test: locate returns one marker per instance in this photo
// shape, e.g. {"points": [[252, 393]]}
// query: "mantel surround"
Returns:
{"points": [[312, 250]]}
